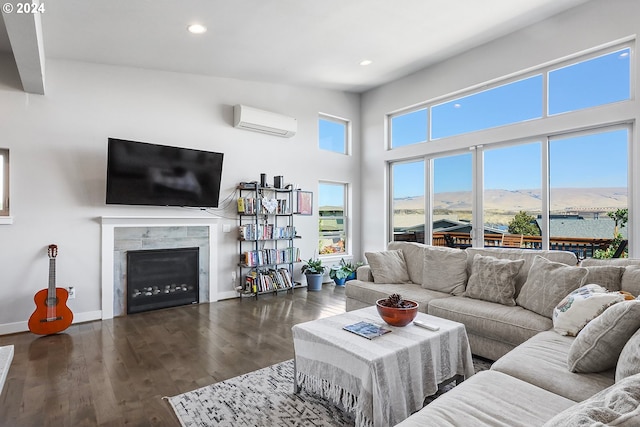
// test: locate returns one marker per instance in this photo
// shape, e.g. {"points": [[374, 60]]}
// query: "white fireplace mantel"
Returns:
{"points": [[110, 223]]}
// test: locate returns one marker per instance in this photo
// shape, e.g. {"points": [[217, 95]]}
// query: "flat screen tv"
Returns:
{"points": [[139, 173]]}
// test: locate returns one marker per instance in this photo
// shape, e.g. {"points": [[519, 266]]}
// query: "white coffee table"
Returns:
{"points": [[383, 380]]}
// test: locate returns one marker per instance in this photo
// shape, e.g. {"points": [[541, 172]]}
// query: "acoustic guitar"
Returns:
{"points": [[52, 314]]}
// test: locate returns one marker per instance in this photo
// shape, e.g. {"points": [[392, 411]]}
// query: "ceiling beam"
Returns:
{"points": [[25, 35]]}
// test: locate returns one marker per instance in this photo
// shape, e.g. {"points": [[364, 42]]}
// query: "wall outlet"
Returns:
{"points": [[72, 292]]}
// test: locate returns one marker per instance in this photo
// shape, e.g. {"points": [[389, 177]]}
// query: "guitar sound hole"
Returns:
{"points": [[52, 301]]}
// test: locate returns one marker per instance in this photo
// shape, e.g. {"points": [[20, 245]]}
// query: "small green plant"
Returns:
{"points": [[344, 270], [313, 266]]}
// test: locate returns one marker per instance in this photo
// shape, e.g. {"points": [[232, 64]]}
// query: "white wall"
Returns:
{"points": [[58, 146], [595, 23]]}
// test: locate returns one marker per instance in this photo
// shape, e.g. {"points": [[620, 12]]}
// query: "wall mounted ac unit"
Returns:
{"points": [[250, 118]]}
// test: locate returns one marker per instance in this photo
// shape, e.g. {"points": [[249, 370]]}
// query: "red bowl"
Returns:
{"points": [[397, 316]]}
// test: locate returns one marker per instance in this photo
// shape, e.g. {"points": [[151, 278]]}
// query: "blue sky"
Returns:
{"points": [[597, 160]]}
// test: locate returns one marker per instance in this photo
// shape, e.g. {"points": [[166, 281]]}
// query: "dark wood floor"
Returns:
{"points": [[115, 372]]}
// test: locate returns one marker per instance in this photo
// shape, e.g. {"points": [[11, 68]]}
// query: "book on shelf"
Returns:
{"points": [[366, 329]]}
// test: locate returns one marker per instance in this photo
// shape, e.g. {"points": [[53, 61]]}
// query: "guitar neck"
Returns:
{"points": [[52, 278]]}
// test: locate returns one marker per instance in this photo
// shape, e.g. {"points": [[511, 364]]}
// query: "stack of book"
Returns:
{"points": [[270, 280], [270, 257], [265, 232]]}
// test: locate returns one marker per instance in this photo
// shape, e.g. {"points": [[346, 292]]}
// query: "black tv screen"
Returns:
{"points": [[139, 173]]}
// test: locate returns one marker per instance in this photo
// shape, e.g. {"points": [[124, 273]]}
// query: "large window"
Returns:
{"points": [[332, 223], [557, 185], [333, 134], [4, 182], [408, 204]]}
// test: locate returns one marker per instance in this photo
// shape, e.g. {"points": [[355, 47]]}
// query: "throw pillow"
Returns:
{"points": [[608, 276], [547, 284], [582, 306], [598, 346], [445, 270], [617, 405], [629, 361], [493, 279], [388, 266], [631, 279]]}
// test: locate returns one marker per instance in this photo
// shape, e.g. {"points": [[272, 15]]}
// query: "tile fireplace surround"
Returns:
{"points": [[114, 241]]}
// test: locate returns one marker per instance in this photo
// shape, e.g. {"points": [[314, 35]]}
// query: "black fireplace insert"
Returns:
{"points": [[161, 278]]}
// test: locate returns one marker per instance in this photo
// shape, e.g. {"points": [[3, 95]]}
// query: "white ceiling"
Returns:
{"points": [[304, 42]]}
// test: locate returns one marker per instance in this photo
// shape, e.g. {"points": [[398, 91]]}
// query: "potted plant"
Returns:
{"points": [[313, 270], [351, 267], [339, 274]]}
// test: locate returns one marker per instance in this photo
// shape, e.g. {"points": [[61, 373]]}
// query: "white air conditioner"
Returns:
{"points": [[250, 118]]}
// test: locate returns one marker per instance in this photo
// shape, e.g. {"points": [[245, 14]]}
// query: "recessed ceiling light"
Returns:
{"points": [[366, 62], [197, 29]]}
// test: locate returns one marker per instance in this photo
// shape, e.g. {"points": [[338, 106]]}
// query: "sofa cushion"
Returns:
{"points": [[617, 405], [388, 266], [490, 399], [547, 284], [630, 281], [445, 270], [511, 325], [629, 361], [582, 306], [598, 346], [607, 276], [369, 293], [413, 256], [542, 361], [528, 255], [493, 279]]}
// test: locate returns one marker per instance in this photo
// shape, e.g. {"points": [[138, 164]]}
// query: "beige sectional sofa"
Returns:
{"points": [[530, 383]]}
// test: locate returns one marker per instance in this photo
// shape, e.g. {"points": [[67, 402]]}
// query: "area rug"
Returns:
{"points": [[6, 356], [263, 398]]}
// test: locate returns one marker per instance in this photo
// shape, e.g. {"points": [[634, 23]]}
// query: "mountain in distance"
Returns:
{"points": [[562, 200]]}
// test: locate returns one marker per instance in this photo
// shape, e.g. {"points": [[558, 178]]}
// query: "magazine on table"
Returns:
{"points": [[366, 329]]}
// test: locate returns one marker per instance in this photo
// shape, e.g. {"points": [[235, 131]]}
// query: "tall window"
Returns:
{"points": [[408, 217], [4, 182], [333, 134], [453, 196], [332, 222], [587, 186], [512, 193]]}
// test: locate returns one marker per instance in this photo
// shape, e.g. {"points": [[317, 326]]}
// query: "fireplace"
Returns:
{"points": [[161, 278]]}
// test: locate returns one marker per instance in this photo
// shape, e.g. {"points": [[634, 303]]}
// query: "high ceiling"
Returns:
{"points": [[313, 43]]}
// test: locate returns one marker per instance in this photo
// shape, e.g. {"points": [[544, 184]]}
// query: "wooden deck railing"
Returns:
{"points": [[582, 247]]}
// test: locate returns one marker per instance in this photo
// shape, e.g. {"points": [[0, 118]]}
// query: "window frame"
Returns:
{"points": [[4, 182], [591, 119]]}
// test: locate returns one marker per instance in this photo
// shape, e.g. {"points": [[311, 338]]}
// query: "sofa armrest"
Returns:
{"points": [[364, 274]]}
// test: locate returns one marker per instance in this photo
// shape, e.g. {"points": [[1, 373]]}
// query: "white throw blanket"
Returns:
{"points": [[383, 380]]}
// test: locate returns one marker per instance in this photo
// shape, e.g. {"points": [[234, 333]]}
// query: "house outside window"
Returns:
{"points": [[332, 222]]}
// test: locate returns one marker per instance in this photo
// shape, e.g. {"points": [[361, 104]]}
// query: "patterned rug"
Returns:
{"points": [[264, 398], [6, 356]]}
